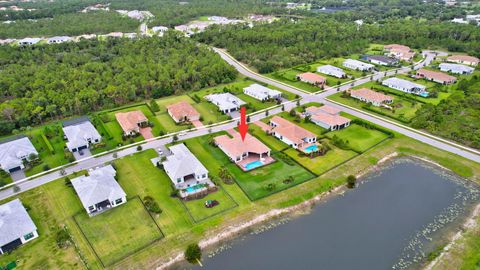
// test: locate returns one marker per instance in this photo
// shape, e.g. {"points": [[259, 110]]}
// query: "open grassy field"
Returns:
{"points": [[120, 231], [359, 138], [199, 212]]}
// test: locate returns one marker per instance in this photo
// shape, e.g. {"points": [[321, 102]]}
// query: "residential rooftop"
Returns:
{"points": [[182, 162], [182, 110], [235, 146], [225, 101], [12, 151], [435, 75], [291, 131], [129, 120], [14, 222], [370, 95]]}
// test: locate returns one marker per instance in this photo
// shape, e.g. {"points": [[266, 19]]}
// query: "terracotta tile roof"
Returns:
{"points": [[325, 108], [435, 75], [460, 57], [312, 77], [397, 47], [370, 95], [129, 120], [183, 110], [331, 120], [235, 147], [291, 131]]}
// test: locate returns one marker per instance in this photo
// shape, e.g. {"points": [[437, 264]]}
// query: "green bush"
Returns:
{"points": [[48, 144], [151, 205], [193, 253], [63, 238]]}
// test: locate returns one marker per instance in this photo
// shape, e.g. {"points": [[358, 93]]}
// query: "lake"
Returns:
{"points": [[392, 220]]}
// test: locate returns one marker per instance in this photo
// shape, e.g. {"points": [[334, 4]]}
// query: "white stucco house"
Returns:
{"points": [[225, 102], [28, 41], [16, 226], [261, 92], [332, 71], [80, 134], [59, 39], [357, 65], [406, 86], [99, 191], [14, 151], [456, 68]]}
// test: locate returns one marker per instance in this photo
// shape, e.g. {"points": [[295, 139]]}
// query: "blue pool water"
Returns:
{"points": [[311, 148], [193, 188], [253, 165], [423, 94]]}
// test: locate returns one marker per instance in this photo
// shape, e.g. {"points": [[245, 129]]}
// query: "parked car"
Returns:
{"points": [[211, 203]]}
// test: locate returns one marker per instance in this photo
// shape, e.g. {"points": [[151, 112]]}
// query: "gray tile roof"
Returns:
{"points": [[380, 58], [14, 222], [331, 70], [260, 92], [456, 68], [12, 152], [402, 84], [78, 133], [182, 163], [99, 186]]}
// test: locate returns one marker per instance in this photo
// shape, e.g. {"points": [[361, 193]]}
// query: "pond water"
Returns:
{"points": [[391, 221]]}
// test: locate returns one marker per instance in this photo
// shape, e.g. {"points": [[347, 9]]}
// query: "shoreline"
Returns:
{"points": [[234, 230]]}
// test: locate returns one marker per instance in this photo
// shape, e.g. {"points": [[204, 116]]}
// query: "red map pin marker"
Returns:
{"points": [[243, 126]]}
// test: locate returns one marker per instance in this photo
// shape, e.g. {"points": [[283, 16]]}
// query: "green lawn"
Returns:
{"points": [[120, 231], [288, 76], [358, 137], [198, 210], [321, 164], [270, 141]]}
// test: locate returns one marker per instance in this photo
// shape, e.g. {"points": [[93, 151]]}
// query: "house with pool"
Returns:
{"points": [[186, 172], [248, 154], [293, 135]]}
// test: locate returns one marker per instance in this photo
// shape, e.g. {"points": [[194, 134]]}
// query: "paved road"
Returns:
{"points": [[306, 97]]}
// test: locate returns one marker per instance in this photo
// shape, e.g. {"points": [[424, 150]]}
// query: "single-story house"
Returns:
{"points": [[456, 68], [99, 191], [261, 92], [248, 154], [185, 171], [226, 102], [293, 135], [370, 96], [14, 151], [28, 41], [131, 122], [59, 39], [312, 78], [80, 134], [183, 112], [463, 59], [380, 60], [327, 117], [16, 226], [436, 76], [357, 65], [400, 52], [406, 86], [332, 71], [160, 30]]}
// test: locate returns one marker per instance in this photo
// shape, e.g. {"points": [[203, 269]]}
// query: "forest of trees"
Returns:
{"points": [[456, 118], [285, 43], [37, 83]]}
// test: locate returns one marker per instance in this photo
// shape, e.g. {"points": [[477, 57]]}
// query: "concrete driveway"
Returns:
{"points": [[18, 175], [85, 153]]}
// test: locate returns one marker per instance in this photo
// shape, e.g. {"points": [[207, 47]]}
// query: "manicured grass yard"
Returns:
{"points": [[359, 138], [321, 164], [289, 76], [270, 141], [198, 210], [120, 231]]}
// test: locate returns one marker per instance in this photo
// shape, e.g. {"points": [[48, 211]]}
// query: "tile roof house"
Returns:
{"points": [[16, 226], [248, 154], [380, 60], [261, 92], [131, 122], [401, 52], [226, 102], [435, 76], [293, 135], [14, 151], [463, 59], [80, 134], [332, 71], [99, 191], [184, 170], [370, 96], [58, 39], [327, 117], [406, 86], [357, 65], [456, 68], [312, 78], [28, 41], [183, 112]]}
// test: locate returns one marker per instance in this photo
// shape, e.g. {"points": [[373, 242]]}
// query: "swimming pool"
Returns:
{"points": [[423, 94], [311, 148], [193, 189], [253, 165]]}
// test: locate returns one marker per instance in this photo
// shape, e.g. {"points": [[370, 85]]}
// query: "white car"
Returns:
{"points": [[183, 133]]}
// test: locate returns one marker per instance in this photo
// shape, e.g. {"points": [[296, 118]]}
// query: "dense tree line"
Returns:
{"points": [[456, 118], [99, 22], [286, 43], [42, 82]]}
